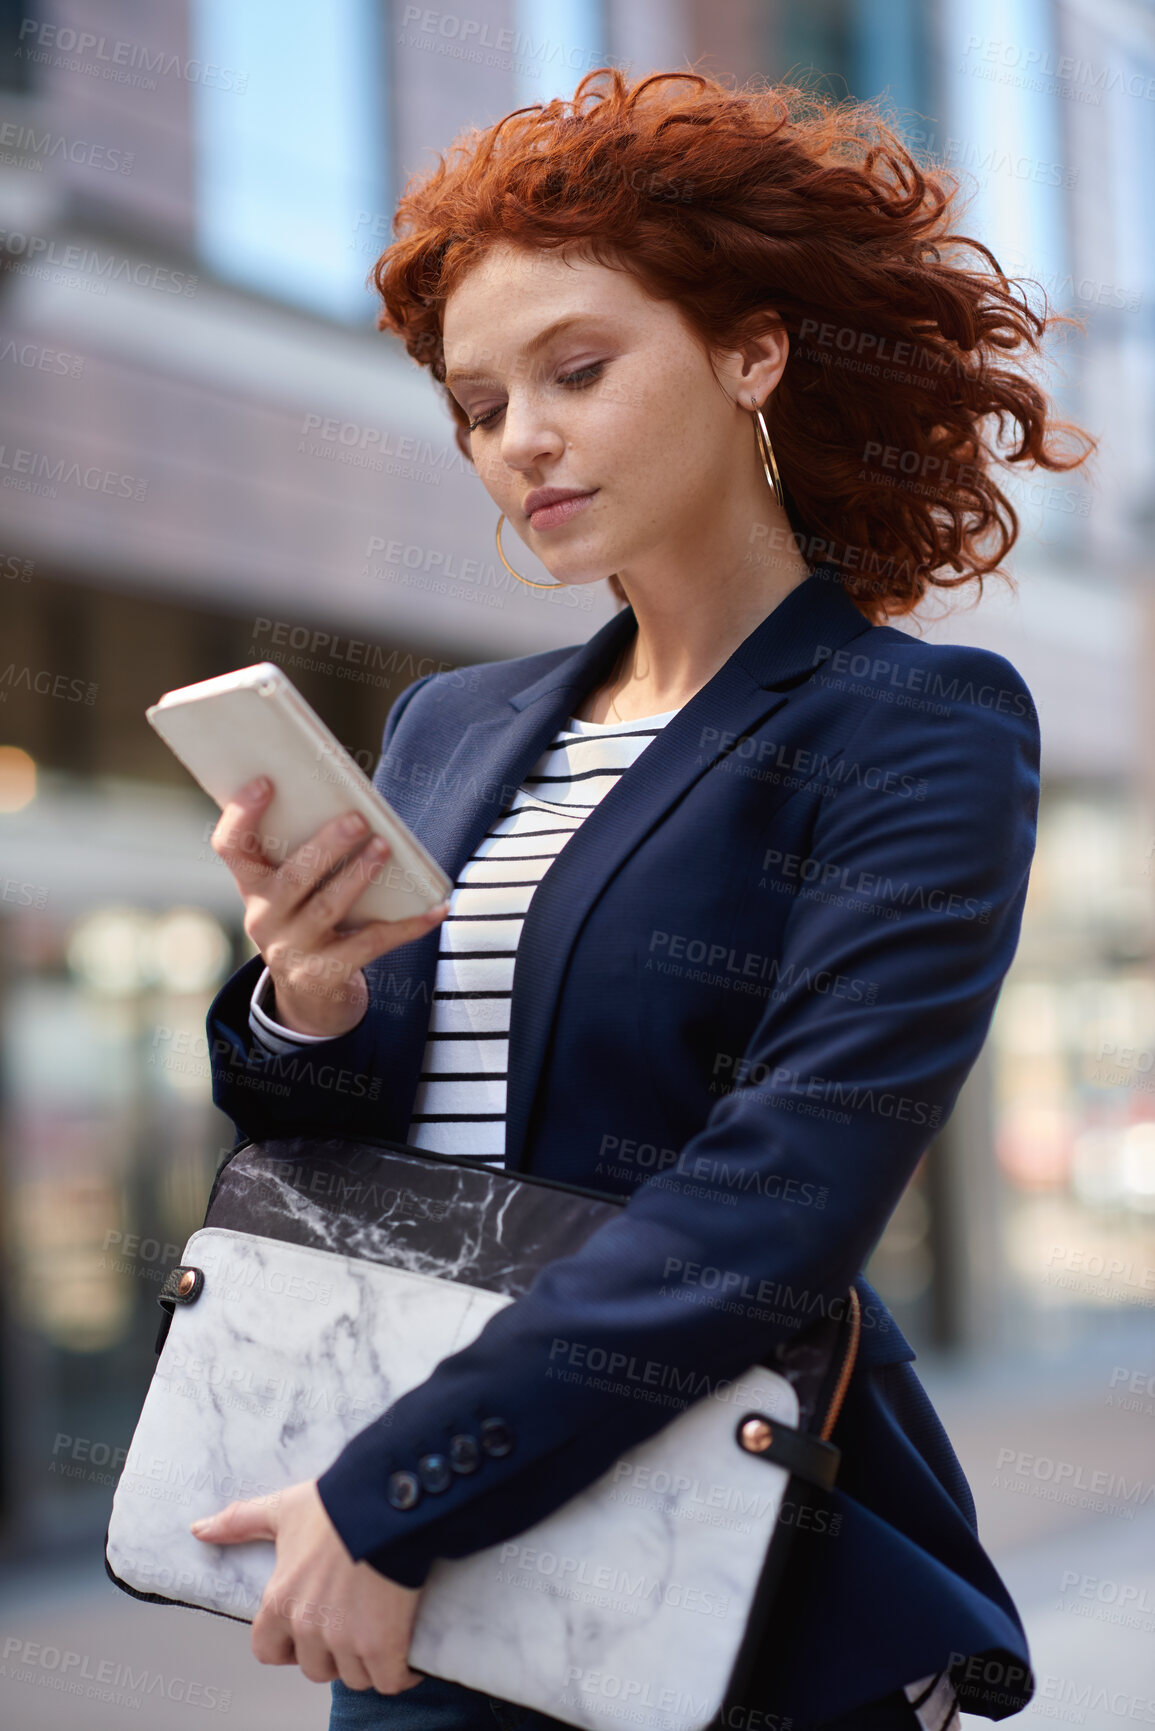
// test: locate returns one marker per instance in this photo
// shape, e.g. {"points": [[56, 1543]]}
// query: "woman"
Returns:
{"points": [[759, 856]]}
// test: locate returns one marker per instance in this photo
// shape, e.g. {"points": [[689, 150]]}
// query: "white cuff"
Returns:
{"points": [[271, 1035]]}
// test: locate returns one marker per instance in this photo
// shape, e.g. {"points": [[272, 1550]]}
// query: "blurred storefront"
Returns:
{"points": [[1074, 1044]]}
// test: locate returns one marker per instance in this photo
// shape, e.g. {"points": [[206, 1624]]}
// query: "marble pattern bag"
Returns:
{"points": [[332, 1276]]}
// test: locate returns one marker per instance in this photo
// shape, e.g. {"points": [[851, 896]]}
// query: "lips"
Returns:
{"points": [[546, 507]]}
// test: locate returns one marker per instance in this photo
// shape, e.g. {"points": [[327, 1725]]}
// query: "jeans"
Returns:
{"points": [[434, 1705]]}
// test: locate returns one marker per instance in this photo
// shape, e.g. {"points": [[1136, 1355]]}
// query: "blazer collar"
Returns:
{"points": [[492, 758]]}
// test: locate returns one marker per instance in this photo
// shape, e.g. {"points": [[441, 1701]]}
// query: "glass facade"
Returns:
{"points": [[290, 141], [556, 42], [866, 49]]}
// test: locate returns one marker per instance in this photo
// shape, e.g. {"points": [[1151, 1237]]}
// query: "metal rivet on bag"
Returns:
{"points": [[186, 1282], [756, 1436]]}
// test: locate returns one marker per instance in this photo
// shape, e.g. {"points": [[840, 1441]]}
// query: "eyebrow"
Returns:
{"points": [[534, 345]]}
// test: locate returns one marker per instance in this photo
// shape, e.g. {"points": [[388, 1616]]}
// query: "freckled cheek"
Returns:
{"points": [[616, 440], [498, 480], [669, 485]]}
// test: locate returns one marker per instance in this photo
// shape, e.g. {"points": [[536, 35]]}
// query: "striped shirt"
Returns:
{"points": [[934, 1702], [459, 1107]]}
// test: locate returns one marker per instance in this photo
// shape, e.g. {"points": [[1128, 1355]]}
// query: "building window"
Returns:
{"points": [[290, 147], [866, 49], [557, 42]]}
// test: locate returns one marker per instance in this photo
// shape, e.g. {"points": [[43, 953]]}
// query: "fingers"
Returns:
{"points": [[316, 886], [320, 982], [289, 1629], [285, 885], [352, 1671], [317, 973], [314, 1655], [389, 1673], [238, 1521], [333, 899], [323, 1612], [382, 1631], [278, 1639], [352, 950], [316, 954], [272, 1641], [295, 910], [309, 865], [358, 1627], [236, 838]]}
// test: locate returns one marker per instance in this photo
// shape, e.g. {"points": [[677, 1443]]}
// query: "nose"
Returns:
{"points": [[530, 435]]}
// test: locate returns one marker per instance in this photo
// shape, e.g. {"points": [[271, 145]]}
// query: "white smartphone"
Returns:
{"points": [[227, 731]]}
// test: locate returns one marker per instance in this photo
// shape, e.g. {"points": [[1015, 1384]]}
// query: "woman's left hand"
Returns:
{"points": [[322, 1611]]}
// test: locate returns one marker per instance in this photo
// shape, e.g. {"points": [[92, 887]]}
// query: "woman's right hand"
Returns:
{"points": [[293, 913]]}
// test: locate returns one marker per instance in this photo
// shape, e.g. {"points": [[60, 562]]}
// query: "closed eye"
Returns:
{"points": [[583, 376], [574, 381]]}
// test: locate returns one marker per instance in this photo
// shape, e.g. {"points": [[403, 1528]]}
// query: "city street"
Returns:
{"points": [[820, 653]]}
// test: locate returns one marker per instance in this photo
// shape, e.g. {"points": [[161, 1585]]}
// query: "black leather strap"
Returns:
{"points": [[806, 1456], [171, 1293]]}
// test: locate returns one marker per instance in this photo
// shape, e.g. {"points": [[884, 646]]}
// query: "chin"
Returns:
{"points": [[575, 573], [580, 579]]}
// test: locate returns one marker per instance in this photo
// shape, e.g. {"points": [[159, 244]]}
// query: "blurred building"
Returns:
{"points": [[208, 455]]}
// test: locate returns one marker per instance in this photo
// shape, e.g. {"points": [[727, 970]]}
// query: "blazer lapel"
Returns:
{"points": [[754, 684], [492, 758]]}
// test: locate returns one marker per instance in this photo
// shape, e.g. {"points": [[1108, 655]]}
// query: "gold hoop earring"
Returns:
{"points": [[766, 452], [517, 574]]}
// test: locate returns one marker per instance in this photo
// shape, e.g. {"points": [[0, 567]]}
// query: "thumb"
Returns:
{"points": [[239, 1521]]}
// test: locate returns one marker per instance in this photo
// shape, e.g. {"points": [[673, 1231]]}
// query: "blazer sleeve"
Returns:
{"points": [[252, 1084], [681, 1291]]}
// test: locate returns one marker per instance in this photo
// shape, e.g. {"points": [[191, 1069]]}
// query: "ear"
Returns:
{"points": [[753, 370]]}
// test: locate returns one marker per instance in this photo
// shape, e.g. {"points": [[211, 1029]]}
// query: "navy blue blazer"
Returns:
{"points": [[746, 996]]}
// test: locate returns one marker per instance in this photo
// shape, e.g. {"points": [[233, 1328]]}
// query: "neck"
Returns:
{"points": [[687, 630]]}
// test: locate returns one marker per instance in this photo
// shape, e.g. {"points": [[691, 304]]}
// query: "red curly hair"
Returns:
{"points": [[737, 205]]}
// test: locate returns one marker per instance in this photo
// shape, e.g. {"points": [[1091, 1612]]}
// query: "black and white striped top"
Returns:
{"points": [[934, 1702], [459, 1107]]}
